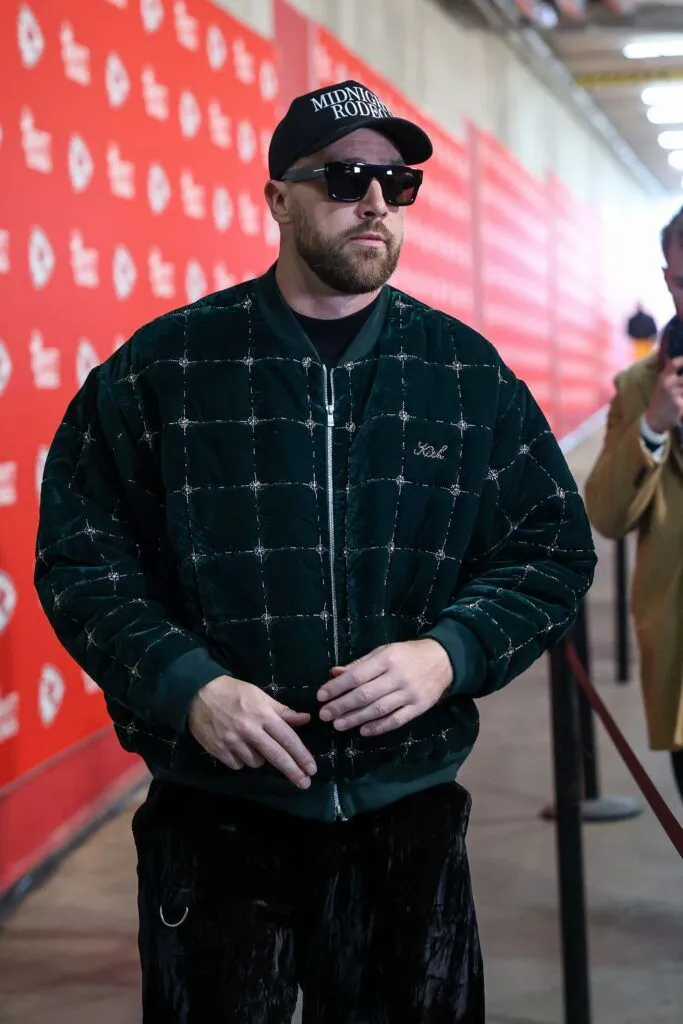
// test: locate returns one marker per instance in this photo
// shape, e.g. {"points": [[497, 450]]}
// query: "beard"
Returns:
{"points": [[347, 269]]}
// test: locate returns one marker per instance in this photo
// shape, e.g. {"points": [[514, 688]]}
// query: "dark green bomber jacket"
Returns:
{"points": [[205, 511]]}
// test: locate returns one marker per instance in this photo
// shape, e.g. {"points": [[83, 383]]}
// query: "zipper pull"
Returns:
{"points": [[330, 415]]}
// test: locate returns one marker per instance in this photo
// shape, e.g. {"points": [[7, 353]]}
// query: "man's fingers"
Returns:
{"points": [[377, 710], [362, 696], [277, 755], [394, 721], [293, 717], [250, 757], [352, 677], [232, 761]]}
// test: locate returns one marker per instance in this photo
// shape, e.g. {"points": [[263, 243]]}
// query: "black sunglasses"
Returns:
{"points": [[349, 182]]}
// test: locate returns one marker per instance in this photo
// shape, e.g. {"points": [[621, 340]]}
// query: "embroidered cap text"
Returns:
{"points": [[351, 101]]}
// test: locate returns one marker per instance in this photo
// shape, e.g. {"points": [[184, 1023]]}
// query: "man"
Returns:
{"points": [[293, 530], [637, 484], [642, 330]]}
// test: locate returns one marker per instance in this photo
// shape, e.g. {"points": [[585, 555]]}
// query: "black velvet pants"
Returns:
{"points": [[373, 918]]}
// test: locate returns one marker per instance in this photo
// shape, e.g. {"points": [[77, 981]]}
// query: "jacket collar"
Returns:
{"points": [[283, 323]]}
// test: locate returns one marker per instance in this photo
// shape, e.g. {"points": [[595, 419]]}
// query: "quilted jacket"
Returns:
{"points": [[216, 502]]}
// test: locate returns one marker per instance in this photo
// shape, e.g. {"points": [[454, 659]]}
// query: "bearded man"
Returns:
{"points": [[294, 531]]}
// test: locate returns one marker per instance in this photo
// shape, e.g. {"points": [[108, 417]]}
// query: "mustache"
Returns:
{"points": [[373, 229]]}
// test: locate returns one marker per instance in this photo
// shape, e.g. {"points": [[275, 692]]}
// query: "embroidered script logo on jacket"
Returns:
{"points": [[350, 101], [428, 451]]}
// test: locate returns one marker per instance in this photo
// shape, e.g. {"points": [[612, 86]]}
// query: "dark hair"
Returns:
{"points": [[672, 234]]}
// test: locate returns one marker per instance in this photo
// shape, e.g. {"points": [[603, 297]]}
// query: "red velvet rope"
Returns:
{"points": [[661, 810]]}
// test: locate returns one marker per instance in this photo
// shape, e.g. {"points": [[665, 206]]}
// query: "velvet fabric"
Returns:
{"points": [[373, 918], [193, 525]]}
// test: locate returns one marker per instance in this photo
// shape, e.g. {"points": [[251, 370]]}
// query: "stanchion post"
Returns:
{"points": [[568, 792], [621, 606], [587, 727]]}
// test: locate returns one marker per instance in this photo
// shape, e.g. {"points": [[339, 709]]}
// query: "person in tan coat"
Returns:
{"points": [[637, 485]]}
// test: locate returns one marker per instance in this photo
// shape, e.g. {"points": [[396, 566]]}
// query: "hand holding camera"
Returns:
{"points": [[665, 410]]}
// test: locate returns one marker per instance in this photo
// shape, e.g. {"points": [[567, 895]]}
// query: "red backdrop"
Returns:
{"points": [[132, 160], [133, 136]]}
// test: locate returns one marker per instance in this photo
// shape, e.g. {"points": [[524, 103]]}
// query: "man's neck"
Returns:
{"points": [[306, 294]]}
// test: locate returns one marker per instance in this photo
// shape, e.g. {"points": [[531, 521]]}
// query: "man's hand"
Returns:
{"points": [[241, 725], [387, 688], [666, 405]]}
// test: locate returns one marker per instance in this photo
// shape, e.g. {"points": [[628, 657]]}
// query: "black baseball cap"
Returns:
{"points": [[319, 118]]}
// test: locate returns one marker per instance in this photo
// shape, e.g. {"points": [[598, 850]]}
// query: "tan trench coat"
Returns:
{"points": [[627, 490]]}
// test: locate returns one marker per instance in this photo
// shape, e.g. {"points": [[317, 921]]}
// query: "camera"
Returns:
{"points": [[674, 338]]}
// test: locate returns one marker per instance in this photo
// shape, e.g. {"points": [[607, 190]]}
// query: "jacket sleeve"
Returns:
{"points": [[623, 481], [531, 558], [98, 586]]}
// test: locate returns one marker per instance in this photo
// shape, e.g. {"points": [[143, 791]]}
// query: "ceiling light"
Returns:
{"points": [[676, 159], [670, 140], [545, 16], [665, 114], [651, 49], [663, 95]]}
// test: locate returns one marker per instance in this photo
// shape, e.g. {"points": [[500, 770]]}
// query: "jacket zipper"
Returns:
{"points": [[329, 400], [329, 404]]}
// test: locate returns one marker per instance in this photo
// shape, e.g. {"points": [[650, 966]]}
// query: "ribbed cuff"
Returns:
{"points": [[466, 655], [180, 683], [652, 439]]}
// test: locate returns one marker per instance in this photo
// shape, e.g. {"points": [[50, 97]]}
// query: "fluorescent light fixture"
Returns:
{"points": [[670, 140], [545, 16], [665, 114], [651, 49], [676, 159], [670, 95]]}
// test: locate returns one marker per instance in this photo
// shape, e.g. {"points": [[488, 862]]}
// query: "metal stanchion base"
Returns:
{"points": [[603, 808]]}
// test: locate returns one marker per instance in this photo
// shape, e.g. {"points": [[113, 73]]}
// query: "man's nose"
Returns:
{"points": [[373, 204]]}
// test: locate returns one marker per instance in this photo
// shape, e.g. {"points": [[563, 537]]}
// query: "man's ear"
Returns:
{"points": [[277, 197]]}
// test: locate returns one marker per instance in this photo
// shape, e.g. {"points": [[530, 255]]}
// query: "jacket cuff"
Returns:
{"points": [[656, 444], [180, 683], [466, 655]]}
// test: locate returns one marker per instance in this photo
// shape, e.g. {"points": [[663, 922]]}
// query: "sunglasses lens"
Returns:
{"points": [[399, 187], [348, 183]]}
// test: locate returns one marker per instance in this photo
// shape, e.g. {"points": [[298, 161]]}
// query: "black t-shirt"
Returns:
{"points": [[331, 338]]}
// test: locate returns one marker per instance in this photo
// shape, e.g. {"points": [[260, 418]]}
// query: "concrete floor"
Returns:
{"points": [[68, 956]]}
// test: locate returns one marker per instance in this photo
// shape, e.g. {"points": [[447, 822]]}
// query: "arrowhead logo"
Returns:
{"points": [[41, 258], [268, 82], [81, 165], [158, 189], [189, 114], [222, 208], [152, 13], [116, 80], [86, 360], [8, 600], [5, 366], [246, 141], [51, 691], [216, 48], [124, 273], [30, 37], [195, 281]]}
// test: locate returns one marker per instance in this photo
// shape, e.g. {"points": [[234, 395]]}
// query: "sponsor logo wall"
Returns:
{"points": [[133, 136]]}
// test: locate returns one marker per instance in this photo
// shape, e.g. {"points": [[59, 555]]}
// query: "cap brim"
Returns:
{"points": [[410, 140]]}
